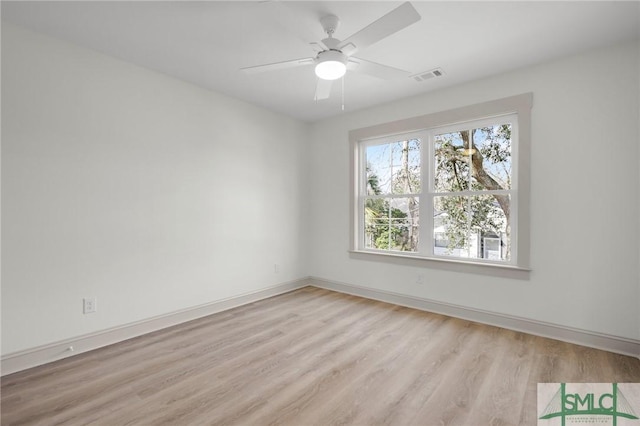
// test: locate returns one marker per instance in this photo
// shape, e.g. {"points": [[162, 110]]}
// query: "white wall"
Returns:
{"points": [[638, 123], [148, 193], [585, 218], [155, 195]]}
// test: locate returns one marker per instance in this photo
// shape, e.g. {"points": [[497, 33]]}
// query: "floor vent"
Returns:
{"points": [[426, 75]]}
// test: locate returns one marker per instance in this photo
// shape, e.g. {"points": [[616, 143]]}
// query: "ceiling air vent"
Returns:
{"points": [[426, 75]]}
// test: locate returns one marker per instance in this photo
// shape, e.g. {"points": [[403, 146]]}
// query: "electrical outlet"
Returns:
{"points": [[276, 268], [420, 279], [89, 305]]}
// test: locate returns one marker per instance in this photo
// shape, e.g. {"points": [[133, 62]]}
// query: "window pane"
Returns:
{"points": [[378, 169], [489, 222], [393, 168], [493, 157], [451, 168], [375, 220], [406, 178], [451, 226], [472, 227], [391, 224]]}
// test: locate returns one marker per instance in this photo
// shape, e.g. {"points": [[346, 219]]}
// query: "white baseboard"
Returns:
{"points": [[33, 357], [616, 344]]}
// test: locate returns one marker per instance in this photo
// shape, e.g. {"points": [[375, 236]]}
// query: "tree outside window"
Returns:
{"points": [[463, 180]]}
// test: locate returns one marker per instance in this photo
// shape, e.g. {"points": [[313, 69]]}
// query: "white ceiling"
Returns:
{"points": [[206, 43]]}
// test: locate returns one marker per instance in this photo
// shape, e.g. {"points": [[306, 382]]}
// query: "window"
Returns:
{"points": [[391, 199], [455, 189]]}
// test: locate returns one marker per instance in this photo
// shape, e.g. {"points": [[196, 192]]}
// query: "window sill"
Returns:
{"points": [[454, 265]]}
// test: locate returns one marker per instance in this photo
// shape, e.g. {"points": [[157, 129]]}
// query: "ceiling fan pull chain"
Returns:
{"points": [[343, 92]]}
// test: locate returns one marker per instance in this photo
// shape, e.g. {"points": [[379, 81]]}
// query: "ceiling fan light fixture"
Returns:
{"points": [[331, 65]]}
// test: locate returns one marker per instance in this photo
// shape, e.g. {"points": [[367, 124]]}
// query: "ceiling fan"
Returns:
{"points": [[334, 56]]}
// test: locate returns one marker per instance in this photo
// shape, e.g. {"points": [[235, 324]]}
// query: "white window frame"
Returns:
{"points": [[363, 185], [424, 127]]}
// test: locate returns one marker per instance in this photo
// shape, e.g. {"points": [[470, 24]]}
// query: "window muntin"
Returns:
{"points": [[469, 179]]}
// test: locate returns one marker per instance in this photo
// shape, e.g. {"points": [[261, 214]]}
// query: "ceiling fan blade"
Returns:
{"points": [[323, 89], [278, 66], [318, 46], [377, 70], [392, 22]]}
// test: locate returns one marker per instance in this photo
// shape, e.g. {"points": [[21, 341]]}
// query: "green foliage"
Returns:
{"points": [[464, 216], [473, 160], [390, 239], [373, 182], [385, 226], [456, 171], [496, 150]]}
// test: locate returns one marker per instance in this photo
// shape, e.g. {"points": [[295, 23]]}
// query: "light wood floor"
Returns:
{"points": [[309, 357]]}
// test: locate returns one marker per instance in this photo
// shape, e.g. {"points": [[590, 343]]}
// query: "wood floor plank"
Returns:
{"points": [[501, 399], [307, 357]]}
